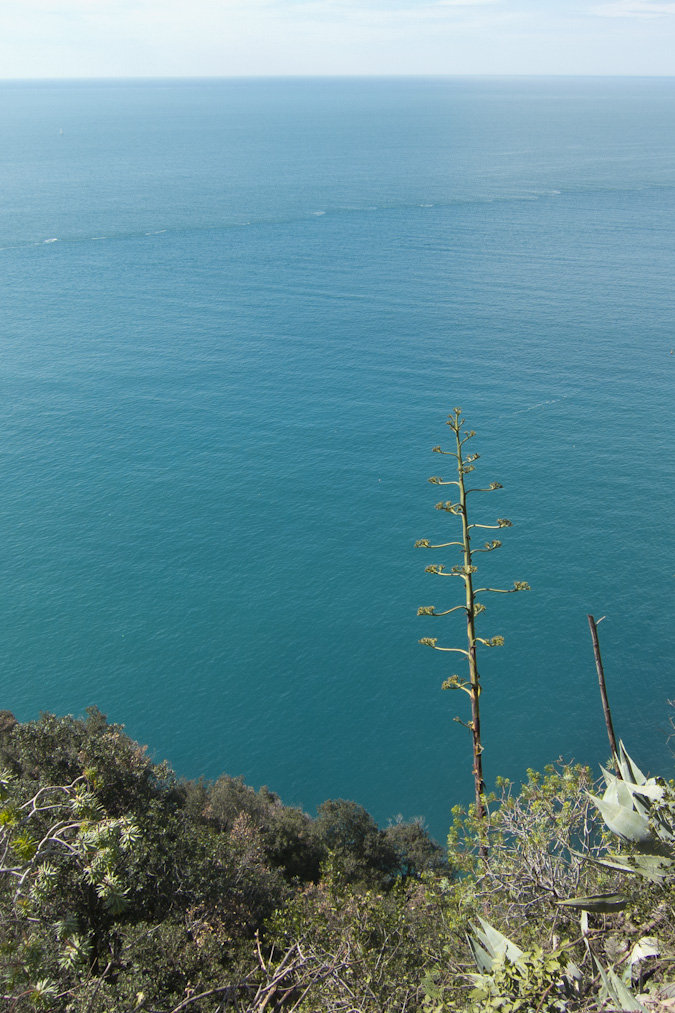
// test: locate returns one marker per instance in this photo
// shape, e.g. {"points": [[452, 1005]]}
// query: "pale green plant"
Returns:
{"points": [[60, 833], [640, 812], [536, 980], [511, 980]]}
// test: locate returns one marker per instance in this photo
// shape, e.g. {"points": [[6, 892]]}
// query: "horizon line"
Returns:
{"points": [[331, 77]]}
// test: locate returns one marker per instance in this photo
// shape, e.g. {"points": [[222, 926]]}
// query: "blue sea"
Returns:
{"points": [[235, 315]]}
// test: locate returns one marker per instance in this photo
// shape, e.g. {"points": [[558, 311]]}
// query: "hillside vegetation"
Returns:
{"points": [[123, 888]]}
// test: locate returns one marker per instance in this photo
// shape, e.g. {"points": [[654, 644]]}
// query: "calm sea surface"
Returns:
{"points": [[234, 317]]}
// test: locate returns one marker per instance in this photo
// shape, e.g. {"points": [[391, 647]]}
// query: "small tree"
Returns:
{"points": [[471, 607]]}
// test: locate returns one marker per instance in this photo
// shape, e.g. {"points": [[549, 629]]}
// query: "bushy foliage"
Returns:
{"points": [[415, 852], [538, 837], [287, 834], [56, 750], [362, 950], [122, 888]]}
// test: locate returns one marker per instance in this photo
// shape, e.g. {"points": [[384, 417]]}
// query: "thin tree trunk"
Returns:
{"points": [[603, 692]]}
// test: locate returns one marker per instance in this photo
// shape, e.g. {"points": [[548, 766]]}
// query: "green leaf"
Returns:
{"points": [[657, 868], [624, 822], [619, 792], [483, 959], [602, 903], [431, 989], [626, 790], [618, 993], [629, 769], [496, 943], [626, 998], [651, 789], [653, 867]]}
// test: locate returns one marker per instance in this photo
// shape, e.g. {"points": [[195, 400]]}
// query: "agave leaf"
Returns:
{"points": [[624, 822], [665, 834], [615, 990], [495, 943], [632, 796], [484, 960], [629, 769], [625, 997], [583, 921], [663, 823], [603, 976], [618, 792], [616, 862], [650, 788], [602, 903], [656, 868]]}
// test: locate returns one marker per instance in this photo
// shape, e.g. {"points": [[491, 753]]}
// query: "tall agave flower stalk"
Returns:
{"points": [[471, 606]]}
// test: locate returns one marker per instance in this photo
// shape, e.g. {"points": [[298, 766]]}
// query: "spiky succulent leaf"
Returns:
{"points": [[649, 789], [624, 822], [601, 903], [484, 960], [619, 994], [618, 792], [630, 770], [496, 943], [655, 868]]}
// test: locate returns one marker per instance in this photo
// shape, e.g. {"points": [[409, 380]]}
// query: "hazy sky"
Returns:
{"points": [[122, 38]]}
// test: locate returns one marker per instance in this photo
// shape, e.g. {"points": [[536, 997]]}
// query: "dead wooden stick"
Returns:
{"points": [[603, 691]]}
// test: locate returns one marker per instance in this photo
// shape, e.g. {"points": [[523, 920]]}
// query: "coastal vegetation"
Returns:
{"points": [[124, 888]]}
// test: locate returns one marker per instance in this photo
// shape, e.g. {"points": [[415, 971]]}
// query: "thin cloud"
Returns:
{"points": [[396, 8], [129, 10], [464, 3], [125, 8], [389, 12], [635, 9]]}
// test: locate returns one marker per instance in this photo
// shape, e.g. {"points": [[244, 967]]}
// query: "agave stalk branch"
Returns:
{"points": [[501, 523], [455, 608], [425, 544], [452, 650]]}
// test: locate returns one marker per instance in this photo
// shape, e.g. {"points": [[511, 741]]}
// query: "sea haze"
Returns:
{"points": [[235, 316]]}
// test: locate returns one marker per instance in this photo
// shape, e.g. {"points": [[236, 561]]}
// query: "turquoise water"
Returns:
{"points": [[235, 315]]}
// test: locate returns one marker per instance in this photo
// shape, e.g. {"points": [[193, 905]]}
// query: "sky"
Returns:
{"points": [[225, 38]]}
